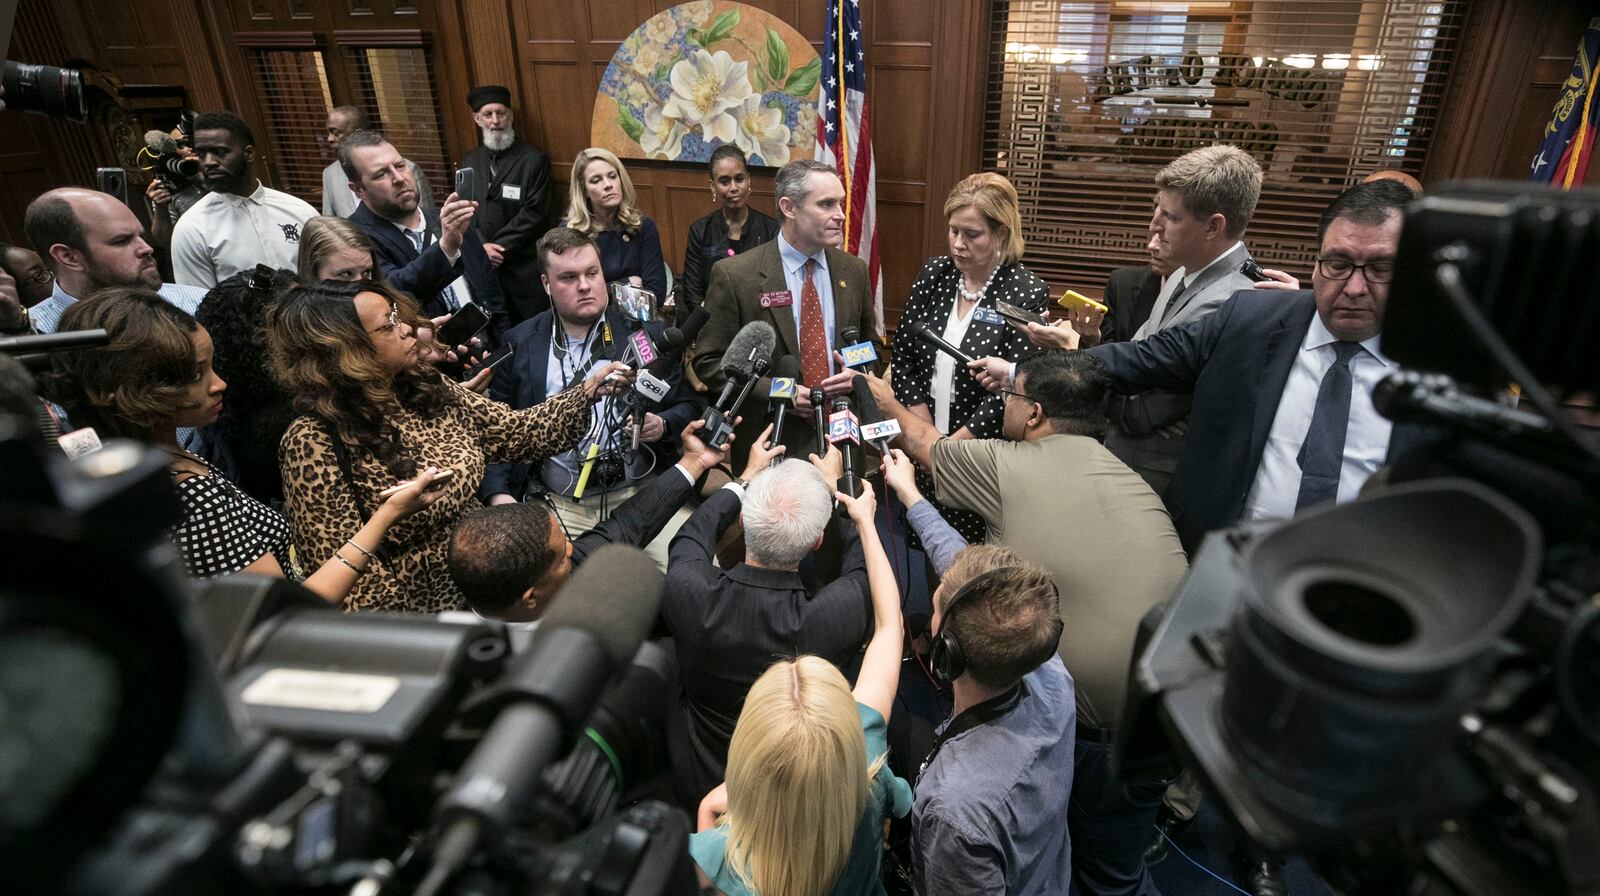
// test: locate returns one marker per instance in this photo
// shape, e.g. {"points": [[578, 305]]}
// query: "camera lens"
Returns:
{"points": [[45, 90]]}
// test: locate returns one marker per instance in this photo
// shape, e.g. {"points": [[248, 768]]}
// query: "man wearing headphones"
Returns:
{"points": [[990, 806]]}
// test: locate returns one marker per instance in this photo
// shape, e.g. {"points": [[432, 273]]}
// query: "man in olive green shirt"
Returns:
{"points": [[1051, 492]]}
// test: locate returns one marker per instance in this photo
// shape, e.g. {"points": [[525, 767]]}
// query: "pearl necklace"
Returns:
{"points": [[961, 285]]}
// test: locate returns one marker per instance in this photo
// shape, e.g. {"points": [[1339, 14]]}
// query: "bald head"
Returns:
{"points": [[341, 121], [1399, 177], [91, 240]]}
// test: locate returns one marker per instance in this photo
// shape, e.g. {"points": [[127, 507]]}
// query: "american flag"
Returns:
{"points": [[844, 137]]}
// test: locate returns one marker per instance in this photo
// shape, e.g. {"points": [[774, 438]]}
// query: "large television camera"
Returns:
{"points": [[158, 736], [1406, 689]]}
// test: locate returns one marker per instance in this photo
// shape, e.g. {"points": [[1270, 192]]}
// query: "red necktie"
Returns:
{"points": [[813, 341]]}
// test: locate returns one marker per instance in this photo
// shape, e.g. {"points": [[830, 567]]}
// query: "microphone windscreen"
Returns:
{"points": [[867, 405], [787, 367], [757, 337], [160, 142], [850, 335], [697, 320], [613, 596]]}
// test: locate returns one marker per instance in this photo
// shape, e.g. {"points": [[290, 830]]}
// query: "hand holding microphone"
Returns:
{"points": [[743, 363]]}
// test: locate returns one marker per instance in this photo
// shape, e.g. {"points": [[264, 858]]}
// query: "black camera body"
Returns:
{"points": [[244, 736], [1403, 688]]}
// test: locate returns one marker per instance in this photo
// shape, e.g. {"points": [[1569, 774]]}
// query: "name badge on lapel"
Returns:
{"points": [[989, 316], [780, 299], [511, 191]]}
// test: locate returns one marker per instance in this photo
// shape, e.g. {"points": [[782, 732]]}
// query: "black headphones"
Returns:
{"points": [[946, 657]]}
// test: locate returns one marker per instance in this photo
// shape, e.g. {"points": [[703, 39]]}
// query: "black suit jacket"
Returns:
{"points": [[423, 275], [1130, 295], [520, 383], [516, 224], [708, 244], [730, 624], [1236, 360]]}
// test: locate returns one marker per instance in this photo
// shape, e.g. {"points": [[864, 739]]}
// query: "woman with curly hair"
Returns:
{"points": [[257, 412], [372, 413], [157, 375], [808, 790], [334, 249], [601, 203]]}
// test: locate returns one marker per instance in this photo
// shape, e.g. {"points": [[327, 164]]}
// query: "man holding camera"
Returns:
{"points": [[434, 256], [240, 223], [559, 346]]}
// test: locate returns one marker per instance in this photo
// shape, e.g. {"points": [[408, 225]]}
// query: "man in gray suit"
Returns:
{"points": [[801, 283], [1204, 200]]}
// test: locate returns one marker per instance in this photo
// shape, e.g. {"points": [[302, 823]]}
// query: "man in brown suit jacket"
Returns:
{"points": [[767, 283]]}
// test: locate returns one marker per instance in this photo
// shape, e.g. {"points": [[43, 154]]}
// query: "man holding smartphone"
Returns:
{"points": [[511, 187], [434, 256]]}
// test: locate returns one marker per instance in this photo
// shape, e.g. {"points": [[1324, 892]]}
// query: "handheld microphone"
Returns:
{"points": [[781, 395], [874, 428], [547, 695], [844, 430], [743, 363], [858, 355], [691, 328], [819, 420], [922, 331]]}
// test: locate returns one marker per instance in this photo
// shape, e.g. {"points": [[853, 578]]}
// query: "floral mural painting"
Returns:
{"points": [[704, 74]]}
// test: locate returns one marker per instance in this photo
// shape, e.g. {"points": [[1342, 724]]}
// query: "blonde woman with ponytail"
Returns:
{"points": [[807, 792]]}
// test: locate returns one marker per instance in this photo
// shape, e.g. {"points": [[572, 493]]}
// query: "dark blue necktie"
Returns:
{"points": [[1322, 454]]}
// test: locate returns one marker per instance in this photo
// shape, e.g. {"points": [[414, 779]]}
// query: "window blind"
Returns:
{"points": [[293, 85], [396, 88], [1087, 101]]}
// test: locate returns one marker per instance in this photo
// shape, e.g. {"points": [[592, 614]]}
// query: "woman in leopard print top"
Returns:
{"points": [[374, 413]]}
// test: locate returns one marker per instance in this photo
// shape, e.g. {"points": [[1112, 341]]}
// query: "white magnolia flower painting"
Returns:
{"points": [[704, 74]]}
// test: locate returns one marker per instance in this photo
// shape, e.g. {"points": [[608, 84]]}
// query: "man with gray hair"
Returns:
{"points": [[729, 624], [1204, 200], [803, 284]]}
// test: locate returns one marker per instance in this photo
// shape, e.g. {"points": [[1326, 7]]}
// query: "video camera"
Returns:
{"points": [[243, 736], [1406, 688]]}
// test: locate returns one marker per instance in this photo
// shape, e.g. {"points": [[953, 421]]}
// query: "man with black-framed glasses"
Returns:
{"points": [[1283, 416]]}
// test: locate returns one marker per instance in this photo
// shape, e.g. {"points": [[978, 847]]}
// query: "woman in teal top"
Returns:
{"points": [[802, 810]]}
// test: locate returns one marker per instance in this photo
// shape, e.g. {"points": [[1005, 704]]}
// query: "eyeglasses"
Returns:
{"points": [[1018, 394], [41, 276], [393, 320], [1342, 268]]}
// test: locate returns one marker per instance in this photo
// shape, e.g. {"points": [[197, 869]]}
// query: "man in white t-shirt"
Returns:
{"points": [[239, 223]]}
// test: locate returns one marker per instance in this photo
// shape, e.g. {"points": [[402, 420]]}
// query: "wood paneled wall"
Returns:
{"points": [[925, 68], [926, 81]]}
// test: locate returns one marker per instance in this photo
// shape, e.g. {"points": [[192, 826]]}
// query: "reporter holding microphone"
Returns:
{"points": [[372, 413]]}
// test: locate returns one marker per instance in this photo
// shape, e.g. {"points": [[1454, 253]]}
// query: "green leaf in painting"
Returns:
{"points": [[777, 57], [631, 126], [722, 27], [804, 79]]}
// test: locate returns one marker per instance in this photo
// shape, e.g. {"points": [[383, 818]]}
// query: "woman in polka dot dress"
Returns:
{"points": [[955, 296]]}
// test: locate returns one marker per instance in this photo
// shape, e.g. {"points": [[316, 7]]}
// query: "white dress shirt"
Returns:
{"points": [[1366, 441], [942, 388], [225, 234], [794, 275]]}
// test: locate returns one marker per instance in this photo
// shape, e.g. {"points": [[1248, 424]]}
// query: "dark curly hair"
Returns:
{"points": [[128, 387], [258, 411], [323, 357]]}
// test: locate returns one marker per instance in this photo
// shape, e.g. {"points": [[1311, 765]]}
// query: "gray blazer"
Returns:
{"points": [[1209, 290]]}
